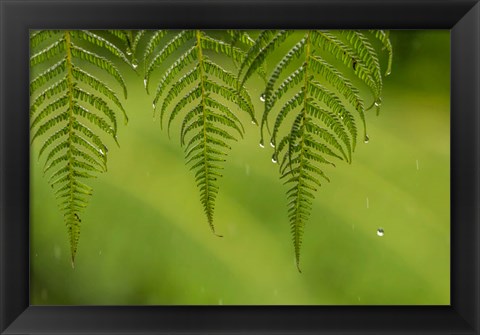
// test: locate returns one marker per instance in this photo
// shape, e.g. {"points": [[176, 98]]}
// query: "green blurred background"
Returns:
{"points": [[145, 239]]}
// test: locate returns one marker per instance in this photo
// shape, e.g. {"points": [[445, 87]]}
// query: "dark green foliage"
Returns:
{"points": [[313, 103], [203, 93], [314, 107], [70, 109]]}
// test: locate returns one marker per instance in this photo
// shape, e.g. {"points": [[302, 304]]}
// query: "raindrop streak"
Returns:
{"points": [[367, 139], [247, 169], [262, 97], [380, 232], [418, 166], [129, 52], [368, 203], [57, 252]]}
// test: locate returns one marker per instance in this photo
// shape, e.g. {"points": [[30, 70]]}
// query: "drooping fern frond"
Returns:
{"points": [[204, 93], [314, 99], [71, 111], [130, 40]]}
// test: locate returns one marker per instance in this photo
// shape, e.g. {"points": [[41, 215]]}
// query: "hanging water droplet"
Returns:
{"points": [[388, 73], [272, 144], [274, 159], [153, 106], [261, 144], [134, 65], [254, 122], [367, 139], [380, 232], [145, 82], [101, 152], [262, 97], [129, 52], [378, 102]]}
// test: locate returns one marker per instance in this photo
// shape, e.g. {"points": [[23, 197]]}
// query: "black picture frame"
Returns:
{"points": [[18, 16]]}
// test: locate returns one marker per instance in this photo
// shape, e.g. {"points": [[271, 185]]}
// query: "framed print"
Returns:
{"points": [[239, 167]]}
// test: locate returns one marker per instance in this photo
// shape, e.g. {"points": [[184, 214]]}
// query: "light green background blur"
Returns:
{"points": [[145, 239]]}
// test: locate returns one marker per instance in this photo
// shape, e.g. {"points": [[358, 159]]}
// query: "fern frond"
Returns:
{"points": [[69, 115], [203, 92], [382, 36], [313, 104], [129, 43]]}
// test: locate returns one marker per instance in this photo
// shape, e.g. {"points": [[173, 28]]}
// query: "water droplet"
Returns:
{"points": [[272, 144], [366, 139], [153, 106], [380, 232], [129, 52], [134, 65], [378, 102], [418, 166], [388, 73], [145, 82], [262, 97], [254, 122], [261, 144], [274, 159]]}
